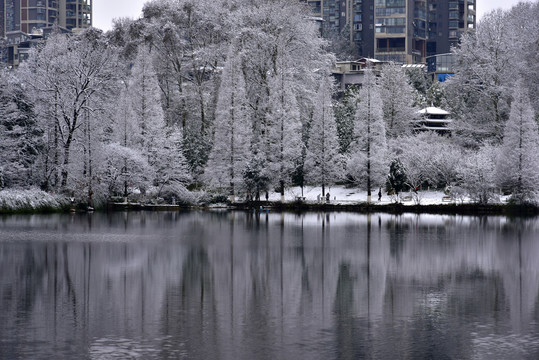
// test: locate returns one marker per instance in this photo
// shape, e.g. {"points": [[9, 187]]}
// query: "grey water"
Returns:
{"points": [[239, 285]]}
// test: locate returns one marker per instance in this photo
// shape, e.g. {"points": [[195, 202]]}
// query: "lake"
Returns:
{"points": [[239, 285]]}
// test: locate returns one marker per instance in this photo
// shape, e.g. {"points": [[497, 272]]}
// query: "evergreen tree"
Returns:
{"points": [[397, 179], [20, 134], [518, 165], [256, 175], [323, 163], [172, 171], [284, 143], [367, 163], [145, 103], [345, 111], [232, 128], [121, 172]]}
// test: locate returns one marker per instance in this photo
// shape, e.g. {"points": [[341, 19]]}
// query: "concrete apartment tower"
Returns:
{"points": [[404, 31], [27, 15]]}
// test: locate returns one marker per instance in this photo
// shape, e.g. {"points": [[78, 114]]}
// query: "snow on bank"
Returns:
{"points": [[345, 195], [29, 200]]}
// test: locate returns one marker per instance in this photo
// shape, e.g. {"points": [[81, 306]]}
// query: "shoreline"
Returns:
{"points": [[467, 209], [396, 208]]}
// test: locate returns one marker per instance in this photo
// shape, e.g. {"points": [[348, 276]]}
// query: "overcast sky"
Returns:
{"points": [[106, 10]]}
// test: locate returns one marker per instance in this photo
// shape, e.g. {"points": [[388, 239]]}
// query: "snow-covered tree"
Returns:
{"points": [[420, 83], [172, 170], [367, 164], [396, 178], [446, 158], [138, 131], [20, 134], [323, 163], [345, 112], [256, 174], [397, 99], [477, 174], [232, 128], [518, 165], [145, 103], [435, 94], [522, 19], [124, 130], [125, 169], [416, 153], [66, 79], [429, 158], [283, 132], [478, 94], [189, 39]]}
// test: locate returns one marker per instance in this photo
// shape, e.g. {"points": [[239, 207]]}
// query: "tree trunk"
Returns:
{"points": [[67, 149], [369, 149]]}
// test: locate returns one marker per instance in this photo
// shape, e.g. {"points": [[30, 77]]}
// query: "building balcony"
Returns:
{"points": [[420, 33]]}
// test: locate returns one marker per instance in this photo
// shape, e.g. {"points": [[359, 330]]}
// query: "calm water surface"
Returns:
{"points": [[232, 285]]}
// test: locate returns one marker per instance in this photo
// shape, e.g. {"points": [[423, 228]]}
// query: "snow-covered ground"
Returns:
{"points": [[344, 195]]}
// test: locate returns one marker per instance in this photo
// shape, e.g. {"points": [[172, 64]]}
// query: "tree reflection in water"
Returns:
{"points": [[235, 285]]}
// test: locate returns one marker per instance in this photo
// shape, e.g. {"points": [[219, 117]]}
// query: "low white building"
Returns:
{"points": [[434, 119]]}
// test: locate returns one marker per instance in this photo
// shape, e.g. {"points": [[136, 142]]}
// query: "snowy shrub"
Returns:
{"points": [[13, 200], [477, 174], [179, 194], [417, 197], [459, 193], [428, 158]]}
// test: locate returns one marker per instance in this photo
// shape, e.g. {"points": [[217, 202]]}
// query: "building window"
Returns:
{"points": [[390, 3]]}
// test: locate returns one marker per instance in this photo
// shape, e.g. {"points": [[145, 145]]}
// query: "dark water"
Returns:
{"points": [[225, 285]]}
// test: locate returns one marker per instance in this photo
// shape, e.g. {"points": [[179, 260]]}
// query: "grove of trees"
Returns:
{"points": [[202, 98]]}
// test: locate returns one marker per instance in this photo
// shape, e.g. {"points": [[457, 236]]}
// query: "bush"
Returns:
{"points": [[31, 200]]}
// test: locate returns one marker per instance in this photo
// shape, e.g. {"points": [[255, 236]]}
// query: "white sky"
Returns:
{"points": [[106, 10]]}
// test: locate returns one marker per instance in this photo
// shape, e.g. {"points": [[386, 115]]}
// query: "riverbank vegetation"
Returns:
{"points": [[31, 200], [201, 100]]}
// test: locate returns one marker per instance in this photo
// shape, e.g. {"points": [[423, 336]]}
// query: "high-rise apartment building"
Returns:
{"points": [[351, 18], [405, 31], [27, 15], [447, 21]]}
